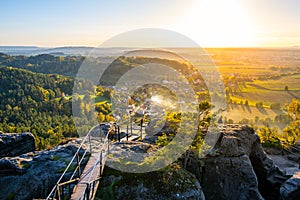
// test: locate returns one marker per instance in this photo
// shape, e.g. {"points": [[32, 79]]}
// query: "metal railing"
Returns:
{"points": [[91, 185], [58, 191]]}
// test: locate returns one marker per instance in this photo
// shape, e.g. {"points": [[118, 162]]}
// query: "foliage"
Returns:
{"points": [[293, 129], [37, 103], [269, 137], [272, 137], [164, 139], [33, 102], [44, 63]]}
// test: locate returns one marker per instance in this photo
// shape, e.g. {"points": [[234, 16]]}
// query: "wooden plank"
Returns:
{"points": [[88, 175]]}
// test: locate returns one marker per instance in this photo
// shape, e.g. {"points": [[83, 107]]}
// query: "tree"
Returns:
{"points": [[269, 136], [101, 117], [230, 121], [275, 106], [256, 119], [286, 88], [293, 129], [204, 117], [259, 104]]}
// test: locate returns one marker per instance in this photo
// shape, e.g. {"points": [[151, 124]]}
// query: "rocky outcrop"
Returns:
{"points": [[15, 144], [290, 190], [171, 182], [235, 168], [151, 186], [230, 178], [33, 175], [270, 177], [238, 168]]}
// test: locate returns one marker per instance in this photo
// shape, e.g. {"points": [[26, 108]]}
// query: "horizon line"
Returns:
{"points": [[115, 47]]}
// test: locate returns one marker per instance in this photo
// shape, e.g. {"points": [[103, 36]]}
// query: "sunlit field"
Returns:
{"points": [[256, 75]]}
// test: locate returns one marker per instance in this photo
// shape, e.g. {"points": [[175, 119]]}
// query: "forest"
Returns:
{"points": [[40, 104], [44, 63]]}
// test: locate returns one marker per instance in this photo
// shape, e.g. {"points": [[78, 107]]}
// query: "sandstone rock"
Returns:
{"points": [[33, 175], [14, 144], [171, 182], [166, 184], [230, 178], [290, 190], [239, 168], [270, 177]]}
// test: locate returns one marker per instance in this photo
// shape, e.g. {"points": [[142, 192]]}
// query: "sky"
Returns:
{"points": [[210, 23]]}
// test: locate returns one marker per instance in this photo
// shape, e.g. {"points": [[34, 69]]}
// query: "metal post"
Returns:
{"points": [[69, 189], [107, 144], [127, 132], [119, 137], [115, 132], [130, 125], [87, 191], [90, 143], [78, 165], [93, 186], [141, 123], [101, 158]]}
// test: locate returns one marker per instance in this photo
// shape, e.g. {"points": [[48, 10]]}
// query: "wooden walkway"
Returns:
{"points": [[91, 172], [85, 183]]}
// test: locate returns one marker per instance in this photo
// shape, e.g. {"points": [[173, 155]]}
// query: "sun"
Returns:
{"points": [[219, 23]]}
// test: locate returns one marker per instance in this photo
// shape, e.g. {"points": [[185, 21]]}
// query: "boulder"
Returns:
{"points": [[34, 174], [290, 190], [15, 144], [238, 168], [230, 178]]}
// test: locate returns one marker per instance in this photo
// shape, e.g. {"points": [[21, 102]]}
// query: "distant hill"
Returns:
{"points": [[43, 63], [33, 50]]}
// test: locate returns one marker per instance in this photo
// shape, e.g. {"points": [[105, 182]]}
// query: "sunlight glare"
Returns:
{"points": [[220, 23], [156, 99]]}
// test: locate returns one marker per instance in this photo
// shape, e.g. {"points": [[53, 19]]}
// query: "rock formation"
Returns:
{"points": [[33, 175], [172, 182], [15, 144], [235, 168], [291, 188], [238, 168]]}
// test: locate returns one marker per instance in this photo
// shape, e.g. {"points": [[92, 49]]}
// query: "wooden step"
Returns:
{"points": [[88, 175]]}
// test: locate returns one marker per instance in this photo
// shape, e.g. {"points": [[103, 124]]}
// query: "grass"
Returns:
{"points": [[293, 83], [270, 91], [238, 112]]}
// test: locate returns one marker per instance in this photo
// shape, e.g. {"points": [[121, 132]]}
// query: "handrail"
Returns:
{"points": [[56, 187], [105, 148]]}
